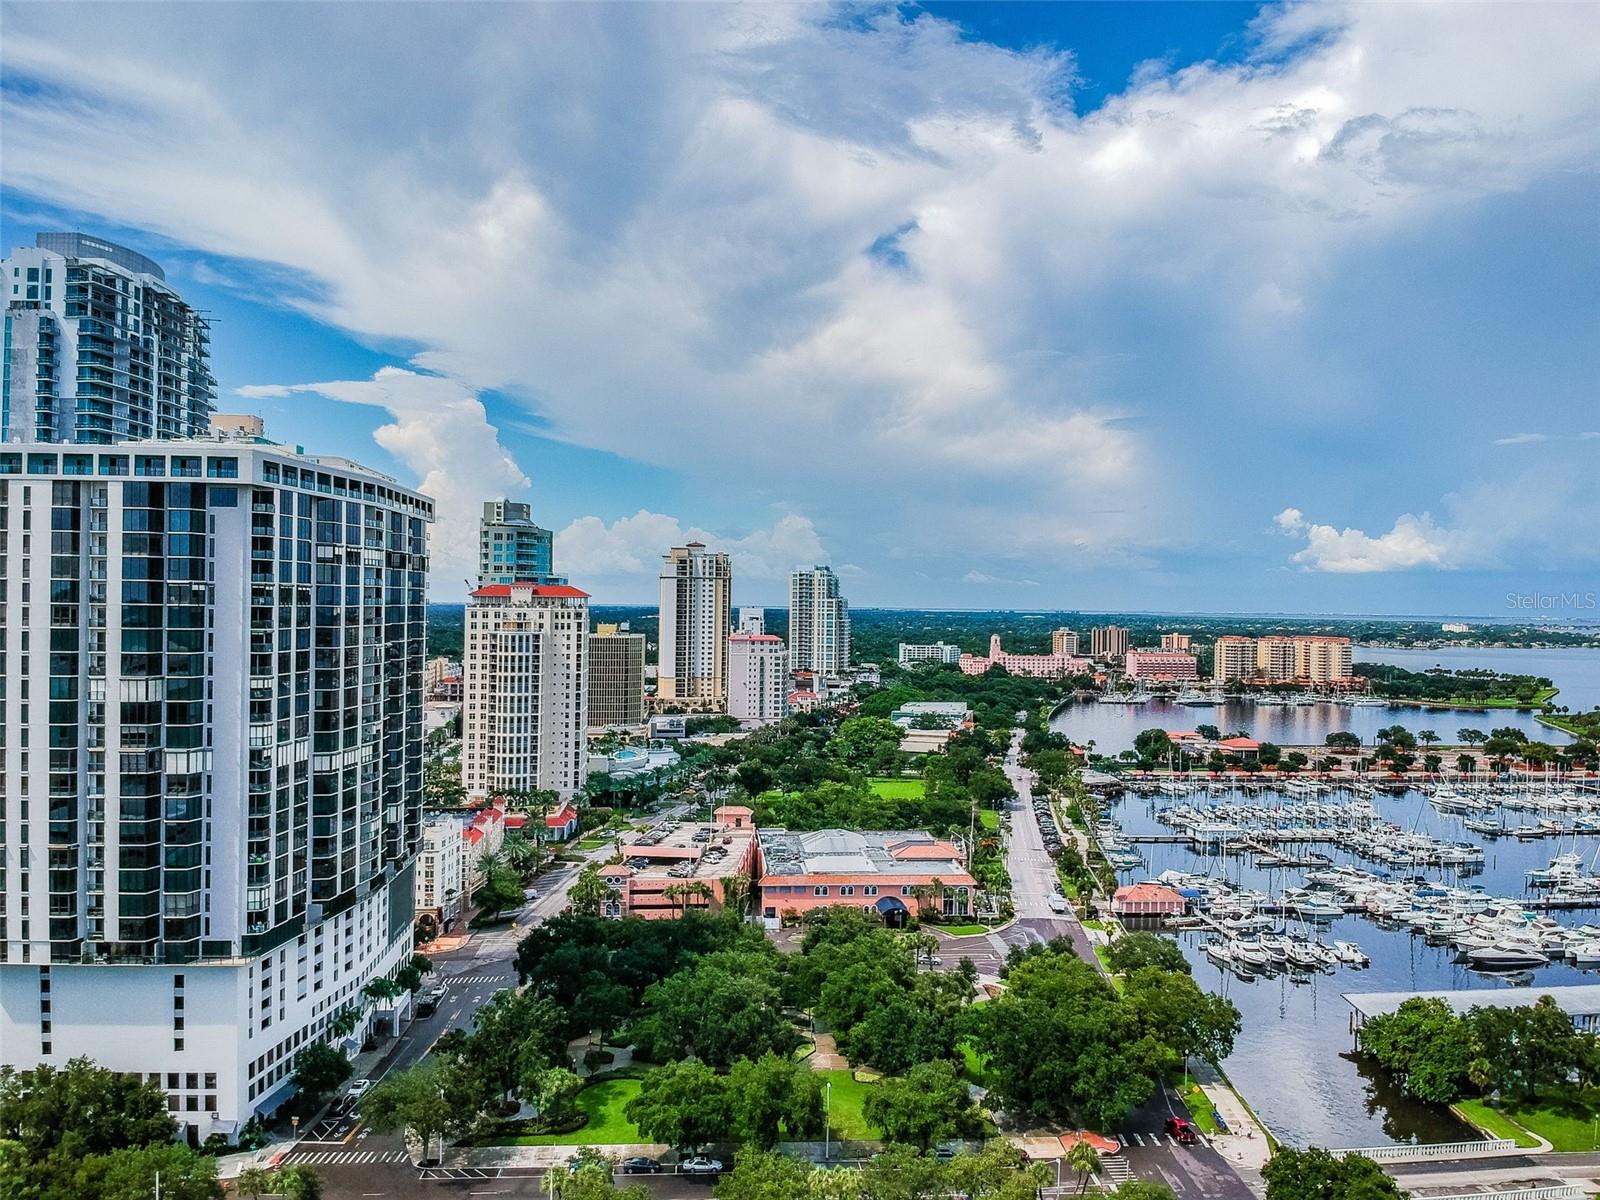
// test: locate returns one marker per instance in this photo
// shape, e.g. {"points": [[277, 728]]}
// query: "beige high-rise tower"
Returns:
{"points": [[696, 619]]}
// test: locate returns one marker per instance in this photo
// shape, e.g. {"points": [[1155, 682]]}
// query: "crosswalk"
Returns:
{"points": [[500, 979], [334, 1157], [1150, 1139], [1116, 1170]]}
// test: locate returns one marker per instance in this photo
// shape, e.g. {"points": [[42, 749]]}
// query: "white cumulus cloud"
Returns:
{"points": [[633, 546]]}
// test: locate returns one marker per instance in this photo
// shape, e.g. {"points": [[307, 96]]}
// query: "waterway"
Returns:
{"points": [[1576, 671], [1292, 1061]]}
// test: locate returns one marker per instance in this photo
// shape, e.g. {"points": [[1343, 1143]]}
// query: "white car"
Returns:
{"points": [[1057, 904], [700, 1165], [359, 1089]]}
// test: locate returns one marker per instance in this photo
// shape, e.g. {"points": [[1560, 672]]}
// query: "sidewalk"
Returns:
{"points": [[1245, 1145]]}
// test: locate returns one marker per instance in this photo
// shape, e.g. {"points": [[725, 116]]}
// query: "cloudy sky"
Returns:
{"points": [[1211, 307]]}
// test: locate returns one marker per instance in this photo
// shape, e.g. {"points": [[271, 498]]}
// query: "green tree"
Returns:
{"points": [[413, 1099], [1176, 1010], [130, 1174], [319, 1069], [725, 1006], [588, 892], [1152, 745], [903, 1173], [763, 1175], [1134, 950], [927, 1105], [770, 1095], [1085, 1160], [1316, 1174], [254, 1182], [298, 1182], [501, 889], [80, 1109], [683, 1104]]}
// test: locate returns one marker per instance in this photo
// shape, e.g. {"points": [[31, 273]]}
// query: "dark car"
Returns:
{"points": [[639, 1165], [1183, 1131]]}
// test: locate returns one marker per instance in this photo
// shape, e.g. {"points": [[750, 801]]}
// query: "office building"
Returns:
{"points": [[758, 677], [512, 548], [694, 864], [934, 652], [1172, 665], [212, 655], [696, 610], [892, 875], [1181, 643], [1064, 641], [525, 687], [1108, 641], [752, 620], [819, 622], [616, 677], [1044, 666], [98, 348]]}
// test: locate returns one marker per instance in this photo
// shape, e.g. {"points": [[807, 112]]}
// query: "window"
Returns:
{"points": [[847, 890], [820, 889], [870, 890]]}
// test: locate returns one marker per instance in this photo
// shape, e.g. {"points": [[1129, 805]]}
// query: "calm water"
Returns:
{"points": [[1324, 1099], [1576, 672], [1291, 1060]]}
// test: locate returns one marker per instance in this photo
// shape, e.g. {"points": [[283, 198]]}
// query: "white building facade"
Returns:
{"points": [[819, 622], [440, 878], [696, 616], [212, 768], [934, 652], [525, 689], [758, 677], [98, 348]]}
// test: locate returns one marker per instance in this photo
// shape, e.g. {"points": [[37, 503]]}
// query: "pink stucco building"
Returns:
{"points": [[894, 874], [689, 866], [1045, 666], [1175, 665]]}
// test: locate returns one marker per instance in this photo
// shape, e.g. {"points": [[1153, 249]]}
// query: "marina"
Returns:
{"points": [[1299, 883]]}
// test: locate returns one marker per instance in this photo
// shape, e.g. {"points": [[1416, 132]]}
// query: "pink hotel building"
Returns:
{"points": [[1046, 666]]}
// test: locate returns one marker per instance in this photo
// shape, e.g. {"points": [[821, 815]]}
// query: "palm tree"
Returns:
{"points": [[1085, 1160], [253, 1181]]}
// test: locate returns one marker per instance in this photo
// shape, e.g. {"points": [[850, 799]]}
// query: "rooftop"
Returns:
{"points": [[688, 850], [502, 591], [848, 852], [1576, 1000]]}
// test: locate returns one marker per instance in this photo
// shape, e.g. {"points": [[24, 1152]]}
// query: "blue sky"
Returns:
{"points": [[1157, 306]]}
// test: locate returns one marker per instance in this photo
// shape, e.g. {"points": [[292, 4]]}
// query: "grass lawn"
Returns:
{"points": [[1199, 1106], [1569, 1124], [603, 1102], [976, 1062], [898, 789], [592, 843], [845, 1098], [989, 819], [1492, 1121], [959, 930]]}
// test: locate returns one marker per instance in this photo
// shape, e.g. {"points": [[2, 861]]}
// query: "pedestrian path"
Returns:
{"points": [[333, 1157]]}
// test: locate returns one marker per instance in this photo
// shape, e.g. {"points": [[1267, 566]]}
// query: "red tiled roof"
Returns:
{"points": [[754, 637], [1239, 743], [1147, 891], [561, 816]]}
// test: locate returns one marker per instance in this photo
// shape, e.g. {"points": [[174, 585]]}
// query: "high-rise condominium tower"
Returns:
{"points": [[819, 622], [758, 677], [512, 548], [212, 768], [524, 679], [98, 348], [1108, 641], [696, 617], [1063, 641], [616, 677]]}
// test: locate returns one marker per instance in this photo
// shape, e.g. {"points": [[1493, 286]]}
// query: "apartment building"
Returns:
{"points": [[1108, 641], [1064, 641], [1181, 643], [98, 347], [512, 547], [752, 620], [819, 622], [441, 886], [696, 613], [935, 652], [758, 677], [1169, 665], [1233, 657], [212, 653], [525, 686], [616, 677]]}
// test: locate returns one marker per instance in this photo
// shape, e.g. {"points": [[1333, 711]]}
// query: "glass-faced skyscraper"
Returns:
{"points": [[98, 347], [819, 622], [211, 656], [512, 548]]}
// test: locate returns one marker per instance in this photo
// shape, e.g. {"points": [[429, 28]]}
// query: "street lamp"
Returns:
{"points": [[827, 1098]]}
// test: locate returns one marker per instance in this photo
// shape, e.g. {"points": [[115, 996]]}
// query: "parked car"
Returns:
{"points": [[639, 1165], [700, 1165], [358, 1089], [1182, 1130]]}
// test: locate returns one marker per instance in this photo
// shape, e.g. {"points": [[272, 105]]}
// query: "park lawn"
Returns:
{"points": [[1493, 1122], [603, 1103], [1568, 1124], [989, 819], [845, 1100], [1199, 1106], [959, 930], [898, 789], [975, 1061]]}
